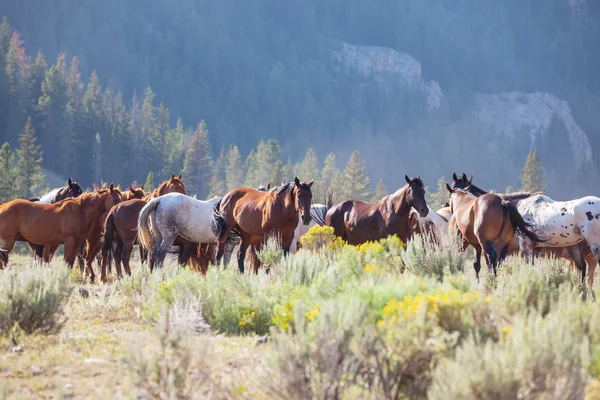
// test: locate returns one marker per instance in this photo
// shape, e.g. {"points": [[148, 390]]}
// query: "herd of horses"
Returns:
{"points": [[106, 223]]}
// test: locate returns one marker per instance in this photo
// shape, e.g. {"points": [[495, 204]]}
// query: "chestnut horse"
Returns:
{"points": [[66, 222], [120, 231], [357, 222], [487, 222], [257, 215], [577, 255]]}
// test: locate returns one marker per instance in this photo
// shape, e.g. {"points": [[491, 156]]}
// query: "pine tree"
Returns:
{"points": [[198, 162], [251, 170], [355, 182], [217, 183], [4, 90], [380, 192], [30, 178], [18, 65], [263, 170], [149, 184], [509, 189], [438, 198], [234, 170], [93, 123], [174, 149], [308, 170], [328, 174], [532, 174], [35, 78], [98, 159], [8, 177]]}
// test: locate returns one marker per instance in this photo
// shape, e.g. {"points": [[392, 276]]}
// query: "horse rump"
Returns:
{"points": [[218, 223], [522, 227], [144, 235]]}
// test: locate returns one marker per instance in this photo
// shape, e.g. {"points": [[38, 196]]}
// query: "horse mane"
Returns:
{"points": [[475, 190], [521, 195], [48, 197]]}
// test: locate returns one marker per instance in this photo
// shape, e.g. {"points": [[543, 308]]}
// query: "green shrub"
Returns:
{"points": [[537, 357], [33, 298], [301, 269], [424, 257], [271, 253]]}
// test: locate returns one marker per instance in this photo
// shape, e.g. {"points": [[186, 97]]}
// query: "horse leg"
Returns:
{"points": [[38, 253], [7, 246], [492, 256], [286, 244], [160, 251], [477, 262], [242, 254], [127, 249], [576, 254]]}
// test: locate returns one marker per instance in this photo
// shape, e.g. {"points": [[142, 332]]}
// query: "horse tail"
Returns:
{"points": [[318, 214], [108, 238], [144, 235], [522, 228], [218, 223]]}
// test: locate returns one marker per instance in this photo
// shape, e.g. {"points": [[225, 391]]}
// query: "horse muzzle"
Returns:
{"points": [[423, 212], [306, 218]]}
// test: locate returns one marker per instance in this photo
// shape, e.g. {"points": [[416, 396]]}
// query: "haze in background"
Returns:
{"points": [[418, 87]]}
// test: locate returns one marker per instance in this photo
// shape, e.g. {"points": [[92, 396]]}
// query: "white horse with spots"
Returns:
{"points": [[175, 214], [562, 224], [434, 224]]}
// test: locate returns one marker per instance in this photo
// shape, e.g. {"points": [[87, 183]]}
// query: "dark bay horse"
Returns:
{"points": [[258, 215], [120, 231], [578, 255], [357, 222], [94, 237], [66, 222], [487, 222]]}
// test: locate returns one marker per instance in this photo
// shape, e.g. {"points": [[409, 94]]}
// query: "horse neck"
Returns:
{"points": [[476, 190], [284, 202], [91, 206], [398, 201]]}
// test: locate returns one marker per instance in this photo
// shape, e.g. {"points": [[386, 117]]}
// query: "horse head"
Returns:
{"points": [[113, 197], [173, 185], [303, 199], [415, 195], [136, 193], [73, 189]]}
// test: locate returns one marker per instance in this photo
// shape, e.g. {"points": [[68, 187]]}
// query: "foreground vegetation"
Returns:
{"points": [[378, 321]]}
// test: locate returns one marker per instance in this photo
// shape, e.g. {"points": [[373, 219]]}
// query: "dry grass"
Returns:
{"points": [[89, 357]]}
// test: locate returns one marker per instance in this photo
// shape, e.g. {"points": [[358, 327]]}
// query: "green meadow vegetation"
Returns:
{"points": [[382, 320]]}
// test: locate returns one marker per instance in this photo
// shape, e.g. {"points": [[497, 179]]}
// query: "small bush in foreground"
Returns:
{"points": [[33, 299], [317, 237], [424, 257]]}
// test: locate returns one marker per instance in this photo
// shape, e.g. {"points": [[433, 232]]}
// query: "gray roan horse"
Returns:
{"points": [[165, 218]]}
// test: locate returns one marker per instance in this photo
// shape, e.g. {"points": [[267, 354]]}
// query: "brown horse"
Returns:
{"points": [[94, 237], [258, 215], [575, 255], [358, 222], [120, 231], [487, 222], [66, 222]]}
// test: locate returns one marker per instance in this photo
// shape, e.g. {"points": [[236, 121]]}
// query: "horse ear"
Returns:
{"points": [[449, 188], [470, 180], [269, 186], [297, 181], [311, 183], [454, 177], [407, 179], [69, 182], [142, 187], [111, 187], [172, 175], [179, 177], [464, 177], [130, 188]]}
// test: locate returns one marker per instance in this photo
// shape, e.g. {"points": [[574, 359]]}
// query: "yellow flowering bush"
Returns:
{"points": [[382, 256], [451, 309], [317, 237]]}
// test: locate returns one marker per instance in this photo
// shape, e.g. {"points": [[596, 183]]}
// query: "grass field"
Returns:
{"points": [[378, 321]]}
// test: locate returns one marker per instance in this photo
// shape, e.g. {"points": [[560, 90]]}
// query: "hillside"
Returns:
{"points": [[417, 88]]}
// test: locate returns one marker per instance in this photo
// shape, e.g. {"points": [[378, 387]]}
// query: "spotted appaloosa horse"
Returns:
{"points": [[358, 222]]}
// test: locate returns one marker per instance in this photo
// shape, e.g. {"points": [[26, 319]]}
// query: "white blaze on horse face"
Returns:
{"points": [[562, 223]]}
